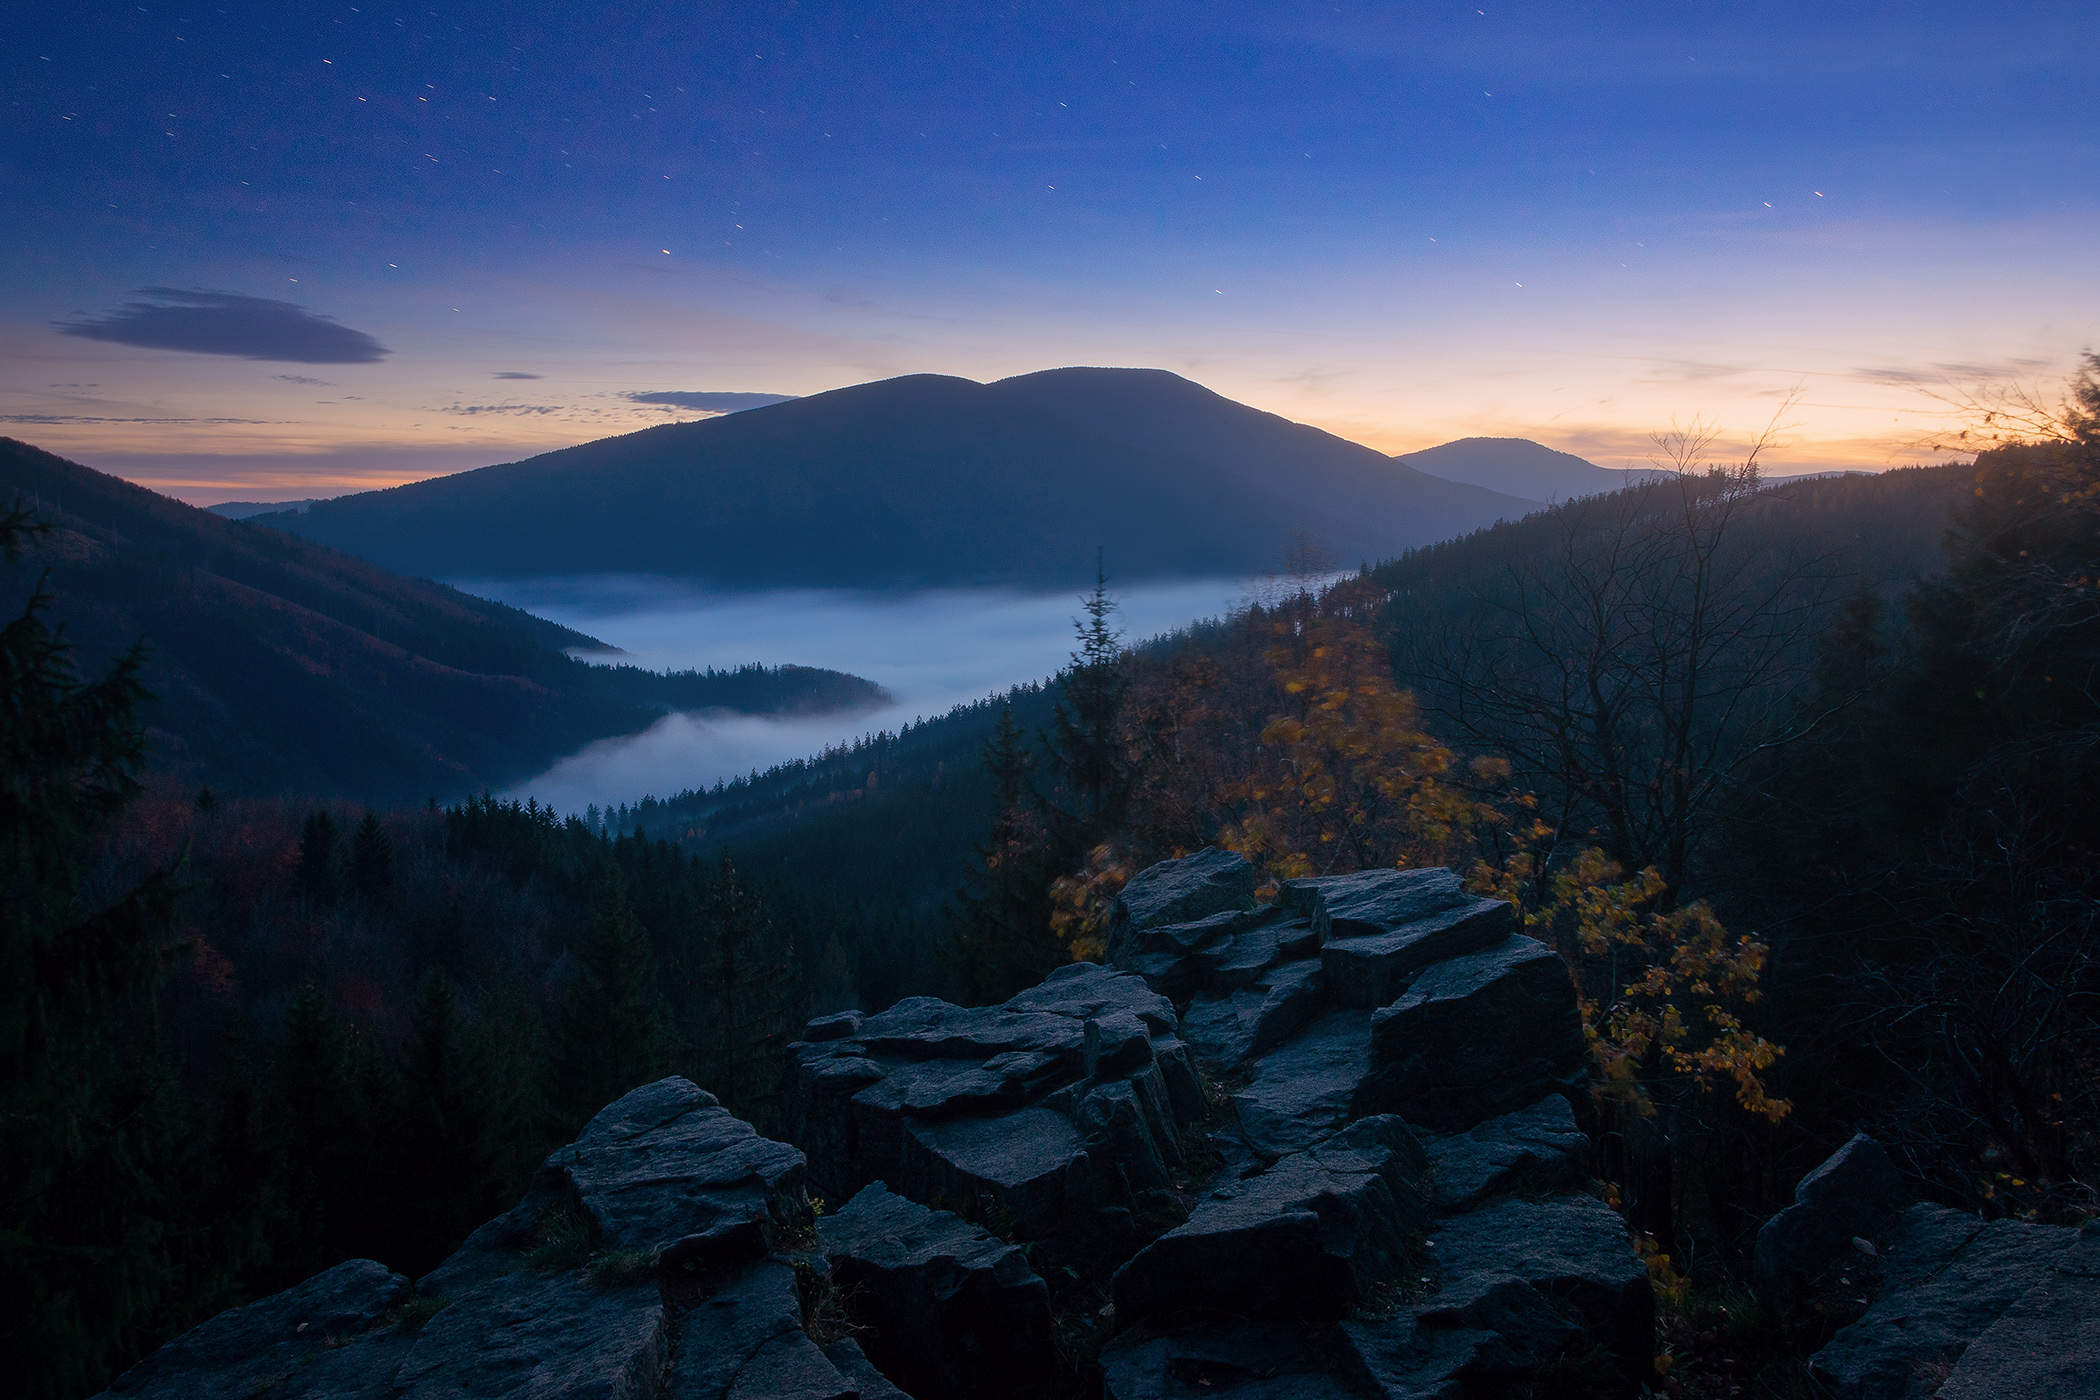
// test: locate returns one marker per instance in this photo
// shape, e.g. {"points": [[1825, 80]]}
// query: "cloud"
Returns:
{"points": [[512, 374], [225, 323], [297, 379], [707, 401], [50, 419], [527, 408]]}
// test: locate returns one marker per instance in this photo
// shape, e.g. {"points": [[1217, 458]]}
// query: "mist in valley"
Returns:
{"points": [[932, 650]]}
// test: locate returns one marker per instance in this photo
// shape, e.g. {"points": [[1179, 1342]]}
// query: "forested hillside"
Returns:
{"points": [[279, 665]]}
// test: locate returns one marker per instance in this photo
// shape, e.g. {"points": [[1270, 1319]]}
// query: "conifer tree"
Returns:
{"points": [[321, 874], [1086, 748], [1000, 919], [319, 1122], [371, 858], [89, 1130], [749, 971], [609, 1033]]}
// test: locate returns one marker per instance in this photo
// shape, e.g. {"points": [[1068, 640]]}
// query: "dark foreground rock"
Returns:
{"points": [[642, 1262], [1850, 1196], [2047, 1345], [1316, 1147], [953, 1311], [1948, 1278]]}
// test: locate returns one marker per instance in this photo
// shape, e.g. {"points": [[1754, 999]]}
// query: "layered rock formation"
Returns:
{"points": [[1325, 1146]]}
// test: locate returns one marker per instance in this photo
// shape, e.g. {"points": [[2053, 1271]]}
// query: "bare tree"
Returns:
{"points": [[1631, 670]]}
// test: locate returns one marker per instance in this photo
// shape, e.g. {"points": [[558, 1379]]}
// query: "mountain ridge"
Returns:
{"points": [[921, 481]]}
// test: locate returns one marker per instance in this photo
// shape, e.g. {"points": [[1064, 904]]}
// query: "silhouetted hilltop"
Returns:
{"points": [[279, 664], [1519, 467], [921, 481]]}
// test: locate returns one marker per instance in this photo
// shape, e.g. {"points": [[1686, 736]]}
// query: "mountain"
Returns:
{"points": [[921, 481], [282, 665], [244, 510], [1519, 467]]}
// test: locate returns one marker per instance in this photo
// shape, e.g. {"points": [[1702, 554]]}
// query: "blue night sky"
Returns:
{"points": [[266, 251]]}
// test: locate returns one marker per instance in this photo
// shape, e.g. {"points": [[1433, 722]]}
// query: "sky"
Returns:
{"points": [[266, 252]]}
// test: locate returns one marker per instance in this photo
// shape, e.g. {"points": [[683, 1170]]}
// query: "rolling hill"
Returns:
{"points": [[280, 665], [921, 481], [1519, 467]]}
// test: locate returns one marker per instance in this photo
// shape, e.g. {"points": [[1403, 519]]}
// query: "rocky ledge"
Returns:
{"points": [[1328, 1146]]}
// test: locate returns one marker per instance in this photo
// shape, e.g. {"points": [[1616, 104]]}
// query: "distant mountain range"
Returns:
{"points": [[280, 665], [923, 481]]}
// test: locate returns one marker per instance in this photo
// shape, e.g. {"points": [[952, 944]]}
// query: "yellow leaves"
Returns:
{"points": [[1081, 904]]}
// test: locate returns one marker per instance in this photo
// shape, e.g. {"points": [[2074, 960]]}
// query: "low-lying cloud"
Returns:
{"points": [[706, 400], [932, 650], [226, 323], [512, 374]]}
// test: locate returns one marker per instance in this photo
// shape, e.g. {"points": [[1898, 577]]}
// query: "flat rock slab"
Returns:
{"points": [[1399, 1359], [954, 1312], [1087, 991], [1229, 1029], [1180, 891], [1307, 1089], [947, 1088], [1373, 968], [1236, 1357], [1309, 1237], [846, 1355], [1947, 1277], [1571, 1248], [927, 1028], [1372, 901], [1030, 1164], [246, 1351], [1535, 1149], [1477, 1036], [2047, 1345], [540, 1338]]}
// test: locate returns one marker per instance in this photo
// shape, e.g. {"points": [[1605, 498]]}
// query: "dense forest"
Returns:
{"points": [[1796, 779]]}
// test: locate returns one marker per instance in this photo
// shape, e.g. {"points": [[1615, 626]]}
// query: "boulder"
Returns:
{"points": [[529, 1336], [1536, 1149], [2047, 1345], [950, 1088], [1117, 1043], [247, 1350], [666, 1170], [927, 1028], [1309, 1237], [746, 1339], [1227, 1030], [1946, 1278], [1373, 968], [1400, 1359], [1307, 1089], [1477, 1036], [1573, 1249], [1851, 1195], [954, 1312], [1530, 1329], [1180, 891], [832, 1027], [1027, 1166], [1248, 1360], [1371, 901], [870, 1384], [1084, 991]]}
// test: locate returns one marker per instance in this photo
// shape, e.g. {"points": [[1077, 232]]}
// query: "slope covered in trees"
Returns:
{"points": [[918, 482], [276, 664]]}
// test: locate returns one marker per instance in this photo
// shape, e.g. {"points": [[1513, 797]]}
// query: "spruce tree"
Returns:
{"points": [[90, 1128], [1000, 941], [1086, 748], [609, 1032], [321, 875], [749, 975], [371, 858]]}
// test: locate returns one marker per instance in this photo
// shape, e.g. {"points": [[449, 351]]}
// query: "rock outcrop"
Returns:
{"points": [[1325, 1146]]}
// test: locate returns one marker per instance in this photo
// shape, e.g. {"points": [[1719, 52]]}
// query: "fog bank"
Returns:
{"points": [[933, 650]]}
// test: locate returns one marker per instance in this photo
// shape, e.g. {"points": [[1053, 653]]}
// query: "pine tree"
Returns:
{"points": [[1000, 938], [371, 858], [1086, 749], [319, 1122], [321, 873], [90, 1128], [609, 1033], [749, 975]]}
